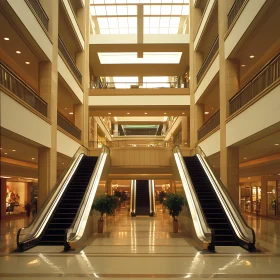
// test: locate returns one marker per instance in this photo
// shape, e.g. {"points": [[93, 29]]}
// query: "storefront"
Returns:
{"points": [[250, 197], [260, 195]]}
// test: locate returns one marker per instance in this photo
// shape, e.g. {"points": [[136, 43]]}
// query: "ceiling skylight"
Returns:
{"points": [[120, 16], [148, 58]]}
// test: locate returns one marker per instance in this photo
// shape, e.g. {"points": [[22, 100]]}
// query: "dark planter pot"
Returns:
{"points": [[175, 226], [100, 226]]}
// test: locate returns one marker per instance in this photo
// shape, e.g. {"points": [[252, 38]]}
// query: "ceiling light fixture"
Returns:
{"points": [[183, 113], [109, 113], [245, 158], [14, 150], [18, 52], [71, 113], [62, 162], [252, 56], [6, 38], [206, 113], [6, 153], [276, 144], [128, 113], [164, 113], [145, 113], [33, 158], [27, 62], [249, 177], [243, 65]]}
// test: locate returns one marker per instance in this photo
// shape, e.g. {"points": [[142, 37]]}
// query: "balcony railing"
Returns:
{"points": [[267, 76], [38, 9], [234, 11], [65, 124], [211, 124], [10, 81], [208, 59], [136, 85], [62, 48]]}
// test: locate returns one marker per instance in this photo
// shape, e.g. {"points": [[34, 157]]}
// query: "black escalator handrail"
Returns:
{"points": [[239, 225], [30, 235], [76, 230], [204, 233]]}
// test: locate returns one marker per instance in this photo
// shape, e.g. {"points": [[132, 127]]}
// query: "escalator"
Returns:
{"points": [[63, 218], [216, 221], [213, 211], [69, 204], [142, 197]]}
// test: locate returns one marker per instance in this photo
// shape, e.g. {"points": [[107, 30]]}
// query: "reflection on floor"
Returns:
{"points": [[141, 248]]}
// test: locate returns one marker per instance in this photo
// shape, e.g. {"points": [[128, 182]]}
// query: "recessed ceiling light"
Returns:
{"points": [[276, 144], [18, 51], [128, 113], [33, 158], [212, 108], [6, 38], [27, 62], [164, 113], [243, 65], [6, 153], [206, 113], [245, 158], [183, 113], [252, 56], [13, 150], [279, 174], [62, 162], [65, 108], [145, 113], [109, 113], [0, 148], [249, 177], [71, 113]]}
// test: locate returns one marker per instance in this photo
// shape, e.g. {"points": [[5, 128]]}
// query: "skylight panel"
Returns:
{"points": [[102, 23], [132, 30], [100, 10], [122, 10], [176, 10], [104, 31], [166, 9], [111, 10], [148, 58]]}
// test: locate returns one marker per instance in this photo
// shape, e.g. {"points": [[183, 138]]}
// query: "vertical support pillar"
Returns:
{"points": [[3, 198], [264, 196], [195, 64], [48, 82], [229, 85], [185, 129], [82, 58], [95, 134], [116, 129]]}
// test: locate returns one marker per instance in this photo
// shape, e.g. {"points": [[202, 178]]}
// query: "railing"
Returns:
{"points": [[65, 124], [62, 48], [212, 123], [132, 144], [39, 10], [234, 11], [267, 76], [208, 59], [136, 85], [10, 81]]}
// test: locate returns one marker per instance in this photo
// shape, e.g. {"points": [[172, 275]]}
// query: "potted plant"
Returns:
{"points": [[174, 203], [105, 204]]}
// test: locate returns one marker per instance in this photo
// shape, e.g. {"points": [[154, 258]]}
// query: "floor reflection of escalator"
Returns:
{"points": [[69, 204], [142, 197], [213, 211]]}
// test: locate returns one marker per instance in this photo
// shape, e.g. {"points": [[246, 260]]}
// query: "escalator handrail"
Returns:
{"points": [[204, 233], [76, 230], [239, 225], [32, 233]]}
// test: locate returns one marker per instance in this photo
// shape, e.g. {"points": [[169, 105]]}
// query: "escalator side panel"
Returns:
{"points": [[214, 213], [69, 204]]}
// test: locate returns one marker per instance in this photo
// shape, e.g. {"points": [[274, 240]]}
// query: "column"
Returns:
{"points": [[195, 64], [82, 58], [48, 82], [95, 134], [264, 196], [229, 85], [3, 198], [185, 131], [116, 129]]}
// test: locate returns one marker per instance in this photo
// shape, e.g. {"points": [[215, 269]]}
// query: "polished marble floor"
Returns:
{"points": [[142, 248]]}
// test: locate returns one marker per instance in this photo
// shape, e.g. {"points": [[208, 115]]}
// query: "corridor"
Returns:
{"points": [[142, 248]]}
